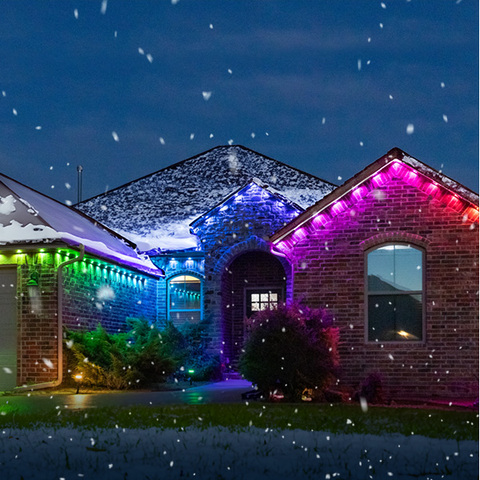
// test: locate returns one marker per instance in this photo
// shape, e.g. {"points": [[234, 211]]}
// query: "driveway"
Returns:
{"points": [[228, 391]]}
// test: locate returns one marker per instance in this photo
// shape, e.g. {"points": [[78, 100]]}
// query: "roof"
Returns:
{"points": [[27, 216], [156, 210], [237, 194], [395, 163]]}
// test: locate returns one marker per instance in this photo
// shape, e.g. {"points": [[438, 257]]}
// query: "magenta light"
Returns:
{"points": [[379, 180], [338, 207], [359, 193], [320, 220], [282, 246], [300, 233], [432, 189]]}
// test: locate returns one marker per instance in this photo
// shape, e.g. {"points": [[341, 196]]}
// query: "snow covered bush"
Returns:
{"points": [[119, 361], [290, 349]]}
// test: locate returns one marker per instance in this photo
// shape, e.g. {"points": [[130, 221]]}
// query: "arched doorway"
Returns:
{"points": [[253, 281]]}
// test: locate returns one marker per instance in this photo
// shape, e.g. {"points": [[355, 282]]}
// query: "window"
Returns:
{"points": [[184, 299], [260, 299], [395, 293]]}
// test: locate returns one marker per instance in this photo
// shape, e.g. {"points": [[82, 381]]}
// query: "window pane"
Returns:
{"points": [[408, 268], [394, 317], [184, 293], [274, 298], [264, 297], [255, 297], [394, 268], [381, 269], [255, 306]]}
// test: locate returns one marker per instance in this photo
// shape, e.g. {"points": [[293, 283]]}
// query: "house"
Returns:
{"points": [[60, 269], [392, 254]]}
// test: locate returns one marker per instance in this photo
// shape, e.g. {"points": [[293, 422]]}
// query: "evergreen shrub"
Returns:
{"points": [[290, 349]]}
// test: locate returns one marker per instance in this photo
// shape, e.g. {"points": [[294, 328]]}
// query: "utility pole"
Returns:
{"points": [[79, 183]]}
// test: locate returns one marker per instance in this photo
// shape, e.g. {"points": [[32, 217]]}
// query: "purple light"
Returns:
{"points": [[320, 220], [300, 233], [432, 190], [379, 180], [338, 207], [359, 193], [282, 246], [413, 179]]}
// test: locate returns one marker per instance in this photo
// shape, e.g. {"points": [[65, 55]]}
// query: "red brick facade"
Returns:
{"points": [[329, 270]]}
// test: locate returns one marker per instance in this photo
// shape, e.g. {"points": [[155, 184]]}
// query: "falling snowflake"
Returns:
{"points": [[206, 95], [115, 136], [410, 128]]}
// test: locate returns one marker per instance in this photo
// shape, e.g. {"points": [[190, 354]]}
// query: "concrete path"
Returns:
{"points": [[222, 392]]}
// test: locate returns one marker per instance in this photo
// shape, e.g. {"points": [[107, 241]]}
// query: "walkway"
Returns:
{"points": [[222, 392]]}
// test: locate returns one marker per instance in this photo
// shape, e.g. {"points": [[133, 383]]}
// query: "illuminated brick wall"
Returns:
{"points": [[94, 293], [329, 262]]}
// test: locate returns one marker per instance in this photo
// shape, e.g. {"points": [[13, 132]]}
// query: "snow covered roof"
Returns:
{"points": [[396, 156], [27, 216], [239, 192], [155, 211]]}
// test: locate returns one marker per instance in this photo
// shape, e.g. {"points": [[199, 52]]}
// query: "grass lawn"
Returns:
{"points": [[434, 423]]}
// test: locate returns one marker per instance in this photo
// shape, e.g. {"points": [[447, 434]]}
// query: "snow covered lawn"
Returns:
{"points": [[52, 453]]}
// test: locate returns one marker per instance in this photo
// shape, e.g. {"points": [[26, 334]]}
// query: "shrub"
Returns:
{"points": [[290, 348], [122, 360], [189, 346], [372, 389]]}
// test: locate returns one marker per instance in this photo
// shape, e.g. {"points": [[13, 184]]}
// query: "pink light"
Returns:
{"points": [[432, 189], [359, 193], [379, 180], [455, 203], [338, 207], [282, 246], [320, 220], [398, 170]]}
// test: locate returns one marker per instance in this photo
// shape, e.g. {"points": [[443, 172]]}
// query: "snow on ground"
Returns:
{"points": [[215, 452]]}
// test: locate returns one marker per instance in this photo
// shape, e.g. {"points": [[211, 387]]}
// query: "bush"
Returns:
{"points": [[189, 346], [290, 349], [372, 389], [122, 360]]}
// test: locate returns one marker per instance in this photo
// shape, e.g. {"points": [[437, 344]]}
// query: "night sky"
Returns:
{"points": [[126, 88]]}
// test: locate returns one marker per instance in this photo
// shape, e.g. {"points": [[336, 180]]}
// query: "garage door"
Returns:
{"points": [[8, 328]]}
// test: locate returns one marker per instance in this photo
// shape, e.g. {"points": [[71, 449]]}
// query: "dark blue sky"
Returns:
{"points": [[326, 86]]}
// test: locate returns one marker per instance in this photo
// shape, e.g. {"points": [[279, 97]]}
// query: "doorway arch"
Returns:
{"points": [[253, 280]]}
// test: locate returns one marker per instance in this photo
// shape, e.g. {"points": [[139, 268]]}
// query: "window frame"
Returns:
{"points": [[422, 292], [169, 310], [250, 290]]}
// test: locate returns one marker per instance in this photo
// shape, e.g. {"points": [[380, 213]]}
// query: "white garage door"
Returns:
{"points": [[8, 328]]}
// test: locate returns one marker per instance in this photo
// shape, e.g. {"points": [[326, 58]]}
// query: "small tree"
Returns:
{"points": [[290, 348]]}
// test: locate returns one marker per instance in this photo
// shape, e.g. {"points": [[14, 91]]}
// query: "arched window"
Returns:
{"points": [[395, 293], [184, 299]]}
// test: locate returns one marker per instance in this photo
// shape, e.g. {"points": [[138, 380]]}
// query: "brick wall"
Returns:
{"points": [[248, 271], [94, 294], [329, 270], [83, 307], [243, 226]]}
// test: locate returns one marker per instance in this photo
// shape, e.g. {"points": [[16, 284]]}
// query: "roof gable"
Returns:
{"points": [[156, 210], [27, 216], [395, 164], [252, 188]]}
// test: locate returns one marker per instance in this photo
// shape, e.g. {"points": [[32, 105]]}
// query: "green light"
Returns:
{"points": [[42, 250], [191, 370]]}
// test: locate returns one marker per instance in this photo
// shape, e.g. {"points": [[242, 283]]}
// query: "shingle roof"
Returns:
{"points": [[29, 217], [156, 210]]}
